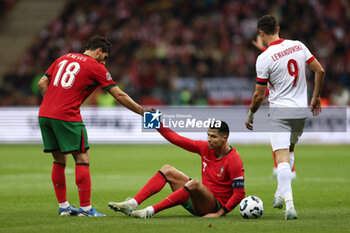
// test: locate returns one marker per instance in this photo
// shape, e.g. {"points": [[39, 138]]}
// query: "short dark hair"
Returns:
{"points": [[97, 41], [267, 24], [223, 129]]}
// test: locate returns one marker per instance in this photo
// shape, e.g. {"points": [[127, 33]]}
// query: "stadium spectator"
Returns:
{"points": [[340, 96], [222, 186], [65, 86], [5, 6]]}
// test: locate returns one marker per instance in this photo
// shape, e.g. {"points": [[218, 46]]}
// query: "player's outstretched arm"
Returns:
{"points": [[180, 141], [43, 84], [126, 101], [319, 79]]}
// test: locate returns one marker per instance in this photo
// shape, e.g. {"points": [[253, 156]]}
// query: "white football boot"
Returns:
{"points": [[144, 213], [291, 214], [123, 207], [278, 202]]}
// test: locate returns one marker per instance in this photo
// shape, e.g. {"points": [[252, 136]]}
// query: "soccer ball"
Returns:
{"points": [[251, 207]]}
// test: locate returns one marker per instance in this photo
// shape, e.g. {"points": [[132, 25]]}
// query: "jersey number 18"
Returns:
{"points": [[68, 77]]}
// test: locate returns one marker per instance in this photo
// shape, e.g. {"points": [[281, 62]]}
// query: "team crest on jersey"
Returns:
{"points": [[221, 171], [109, 76]]}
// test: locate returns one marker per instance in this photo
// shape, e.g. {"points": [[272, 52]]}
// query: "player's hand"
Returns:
{"points": [[258, 43], [249, 120], [211, 215], [149, 109], [316, 106], [218, 214]]}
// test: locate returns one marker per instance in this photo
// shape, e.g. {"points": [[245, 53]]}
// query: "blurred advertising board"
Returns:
{"points": [[118, 125]]}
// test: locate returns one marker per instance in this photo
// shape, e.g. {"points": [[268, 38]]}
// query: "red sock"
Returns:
{"points": [[176, 198], [153, 186], [59, 181], [83, 181], [274, 159], [293, 169]]}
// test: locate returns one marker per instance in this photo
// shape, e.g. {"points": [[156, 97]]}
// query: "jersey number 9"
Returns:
{"points": [[293, 70]]}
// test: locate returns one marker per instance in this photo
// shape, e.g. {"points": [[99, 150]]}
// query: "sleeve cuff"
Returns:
{"points": [[109, 87], [225, 209], [261, 81], [310, 60]]}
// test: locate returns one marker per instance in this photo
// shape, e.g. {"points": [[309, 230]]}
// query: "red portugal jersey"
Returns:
{"points": [[73, 77], [224, 177]]}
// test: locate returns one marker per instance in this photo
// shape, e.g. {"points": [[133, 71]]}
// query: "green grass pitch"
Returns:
{"points": [[28, 204]]}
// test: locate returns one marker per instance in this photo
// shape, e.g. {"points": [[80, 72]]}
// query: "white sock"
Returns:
{"points": [[289, 204], [274, 171], [150, 210], [278, 193], [86, 208], [291, 160], [133, 203], [63, 204], [284, 178]]}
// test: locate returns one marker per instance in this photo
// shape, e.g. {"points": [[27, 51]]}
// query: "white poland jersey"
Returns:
{"points": [[282, 66]]}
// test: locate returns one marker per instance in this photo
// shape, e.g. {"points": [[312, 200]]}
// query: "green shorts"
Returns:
{"points": [[188, 206], [66, 136]]}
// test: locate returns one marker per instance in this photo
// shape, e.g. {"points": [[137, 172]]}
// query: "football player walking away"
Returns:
{"points": [[65, 86], [258, 43], [282, 68], [221, 189]]}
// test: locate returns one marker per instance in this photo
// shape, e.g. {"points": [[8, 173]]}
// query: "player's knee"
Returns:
{"points": [[81, 157], [193, 184], [167, 170], [59, 157]]}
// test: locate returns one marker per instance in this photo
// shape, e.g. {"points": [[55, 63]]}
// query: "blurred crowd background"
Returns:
{"points": [[158, 42]]}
